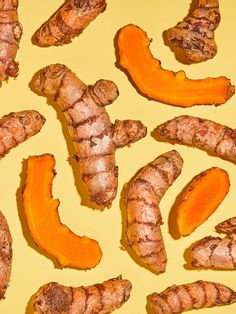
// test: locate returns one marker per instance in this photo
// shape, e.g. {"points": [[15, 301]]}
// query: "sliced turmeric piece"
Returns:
{"points": [[166, 86], [44, 223], [201, 198]]}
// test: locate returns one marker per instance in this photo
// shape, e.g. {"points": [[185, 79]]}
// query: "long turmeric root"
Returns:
{"points": [[10, 35], [197, 295], [17, 127], [214, 253], [201, 133], [201, 198], [166, 86], [195, 35], [69, 21], [48, 232], [144, 218], [98, 299], [95, 138], [5, 255]]}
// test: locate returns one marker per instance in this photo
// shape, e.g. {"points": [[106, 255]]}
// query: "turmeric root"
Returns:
{"points": [[10, 35], [197, 295], [98, 299], [166, 86], [48, 232], [68, 22], [201, 198], [228, 226], [17, 127], [5, 255], [194, 37], [201, 133], [95, 138], [214, 253], [144, 218]]}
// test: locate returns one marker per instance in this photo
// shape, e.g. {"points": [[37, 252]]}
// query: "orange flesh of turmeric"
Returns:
{"points": [[166, 86], [44, 223], [201, 198]]}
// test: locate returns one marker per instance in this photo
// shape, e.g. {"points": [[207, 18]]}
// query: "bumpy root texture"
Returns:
{"points": [[94, 136], [41, 212], [201, 133], [17, 127], [68, 22], [144, 194], [102, 298], [194, 37], [201, 198], [214, 253], [197, 295], [5, 255], [10, 35], [166, 86], [228, 226]]}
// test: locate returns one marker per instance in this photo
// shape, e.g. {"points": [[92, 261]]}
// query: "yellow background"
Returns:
{"points": [[92, 56]]}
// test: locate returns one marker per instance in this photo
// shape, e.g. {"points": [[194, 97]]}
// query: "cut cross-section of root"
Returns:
{"points": [[44, 223]]}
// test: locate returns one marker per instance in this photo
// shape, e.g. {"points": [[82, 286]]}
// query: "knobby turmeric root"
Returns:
{"points": [[41, 212], [201, 133], [5, 255], [144, 218], [201, 198], [197, 295], [194, 37], [17, 127], [10, 35], [214, 253], [68, 22], [228, 226], [98, 299], [166, 86], [94, 136]]}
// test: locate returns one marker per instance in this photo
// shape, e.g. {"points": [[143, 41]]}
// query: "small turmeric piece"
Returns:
{"points": [[41, 212], [194, 37], [10, 35], [98, 299], [159, 84], [143, 215], [197, 295], [201, 133], [214, 253], [94, 136], [68, 22], [228, 226], [17, 127], [5, 255], [201, 198]]}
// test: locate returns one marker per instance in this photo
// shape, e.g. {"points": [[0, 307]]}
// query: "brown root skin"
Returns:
{"points": [[94, 136], [228, 226], [214, 253], [155, 82], [68, 22], [10, 35], [210, 136], [144, 220], [5, 255], [194, 37], [42, 216], [17, 127], [201, 198], [101, 298], [197, 295]]}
